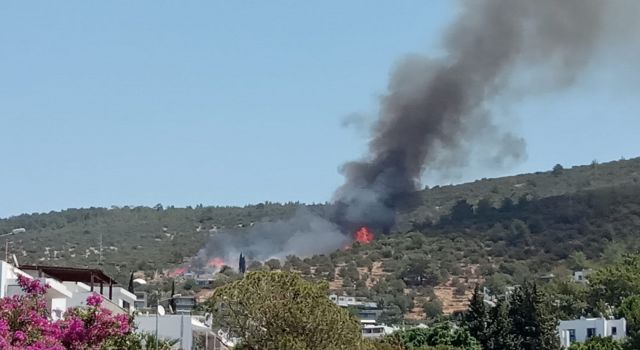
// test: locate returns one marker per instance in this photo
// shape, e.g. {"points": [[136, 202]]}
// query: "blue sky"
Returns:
{"points": [[145, 102]]}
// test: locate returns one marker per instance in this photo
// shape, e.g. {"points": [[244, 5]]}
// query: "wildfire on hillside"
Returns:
{"points": [[364, 235], [177, 272], [216, 262]]}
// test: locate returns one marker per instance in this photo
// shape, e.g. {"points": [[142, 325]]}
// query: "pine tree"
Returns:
{"points": [[532, 322], [477, 318], [500, 333]]}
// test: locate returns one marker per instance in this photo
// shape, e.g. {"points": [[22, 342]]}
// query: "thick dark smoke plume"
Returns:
{"points": [[438, 108]]}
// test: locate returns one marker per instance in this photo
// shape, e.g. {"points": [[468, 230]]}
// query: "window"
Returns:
{"points": [[572, 335], [591, 332], [614, 330]]}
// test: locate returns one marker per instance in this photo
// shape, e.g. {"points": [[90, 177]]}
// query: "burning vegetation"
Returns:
{"points": [[438, 115], [363, 235], [216, 263]]}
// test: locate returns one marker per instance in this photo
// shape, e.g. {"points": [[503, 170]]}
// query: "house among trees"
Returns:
{"points": [[364, 310], [580, 276], [578, 331]]}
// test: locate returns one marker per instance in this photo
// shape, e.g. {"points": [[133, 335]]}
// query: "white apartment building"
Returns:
{"points": [[580, 330], [56, 297], [68, 287]]}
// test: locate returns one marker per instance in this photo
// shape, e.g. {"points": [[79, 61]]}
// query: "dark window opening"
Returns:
{"points": [[572, 336]]}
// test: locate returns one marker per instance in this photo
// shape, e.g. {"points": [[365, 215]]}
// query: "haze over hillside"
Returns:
{"points": [[143, 238]]}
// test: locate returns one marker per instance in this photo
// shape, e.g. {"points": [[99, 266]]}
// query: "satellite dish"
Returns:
{"points": [[161, 311]]}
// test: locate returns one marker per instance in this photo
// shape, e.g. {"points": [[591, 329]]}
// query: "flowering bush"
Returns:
{"points": [[25, 324]]}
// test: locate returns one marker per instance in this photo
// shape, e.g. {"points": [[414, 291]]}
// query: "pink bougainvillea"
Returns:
{"points": [[25, 323], [94, 299]]}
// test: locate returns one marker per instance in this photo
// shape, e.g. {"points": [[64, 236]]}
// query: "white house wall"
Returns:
{"points": [[168, 327], [603, 328]]}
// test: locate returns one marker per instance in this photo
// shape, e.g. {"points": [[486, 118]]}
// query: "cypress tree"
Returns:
{"points": [[477, 318]]}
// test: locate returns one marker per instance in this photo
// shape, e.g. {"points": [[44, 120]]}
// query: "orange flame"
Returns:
{"points": [[216, 262], [177, 272], [363, 235]]}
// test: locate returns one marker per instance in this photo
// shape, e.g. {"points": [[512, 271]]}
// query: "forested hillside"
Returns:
{"points": [[497, 247], [542, 217], [132, 238]]}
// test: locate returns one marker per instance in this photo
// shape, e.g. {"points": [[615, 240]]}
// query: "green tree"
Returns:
{"points": [[578, 261], [484, 208], [461, 211], [532, 321], [477, 318], [612, 284], [497, 283], [272, 310], [507, 205], [392, 315], [419, 270], [432, 308], [441, 334], [570, 299], [597, 343], [501, 335], [630, 310], [557, 170], [273, 264]]}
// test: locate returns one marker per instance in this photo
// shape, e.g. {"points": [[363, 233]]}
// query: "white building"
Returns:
{"points": [[580, 276], [372, 330], [365, 309], [82, 282], [68, 287], [584, 328], [56, 297], [170, 327]]}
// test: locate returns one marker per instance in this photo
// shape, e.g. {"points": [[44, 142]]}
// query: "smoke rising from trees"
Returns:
{"points": [[437, 110]]}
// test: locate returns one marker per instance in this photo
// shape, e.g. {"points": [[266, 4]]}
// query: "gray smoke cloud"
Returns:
{"points": [[438, 111], [304, 234]]}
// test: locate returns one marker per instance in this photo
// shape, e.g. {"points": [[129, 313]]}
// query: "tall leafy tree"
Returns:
{"points": [[630, 310], [612, 284], [570, 298], [534, 324], [273, 310]]}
